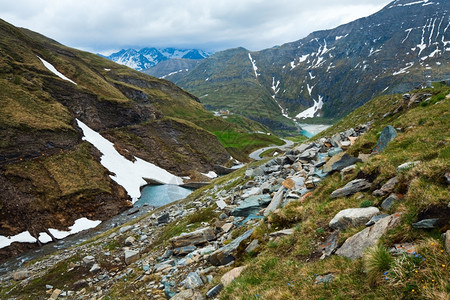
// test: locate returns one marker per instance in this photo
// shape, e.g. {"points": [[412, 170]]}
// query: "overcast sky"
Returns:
{"points": [[212, 25]]}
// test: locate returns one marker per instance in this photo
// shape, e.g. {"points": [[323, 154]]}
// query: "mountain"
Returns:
{"points": [[331, 72], [174, 67], [54, 98], [149, 57]]}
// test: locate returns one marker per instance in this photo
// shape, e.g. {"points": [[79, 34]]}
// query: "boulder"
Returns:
{"points": [[293, 182], [329, 246], [251, 205], [229, 276], [352, 217], [184, 250], [214, 291], [21, 275], [188, 295], [252, 246], [276, 201], [375, 219], [164, 218], [88, 261], [193, 280], [389, 201], [387, 188], [95, 268], [129, 241], [283, 232], [339, 162], [350, 188], [199, 236], [426, 224], [334, 151], [447, 241], [55, 294], [131, 256], [225, 255], [387, 135], [407, 166], [354, 246]]}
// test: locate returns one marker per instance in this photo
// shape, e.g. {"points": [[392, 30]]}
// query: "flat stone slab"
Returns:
{"points": [[350, 188], [354, 246], [353, 217], [199, 236], [225, 255], [276, 201], [251, 205], [229, 276]]}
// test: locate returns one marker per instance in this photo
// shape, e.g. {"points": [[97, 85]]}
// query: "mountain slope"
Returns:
{"points": [[332, 72], [49, 176], [149, 57]]}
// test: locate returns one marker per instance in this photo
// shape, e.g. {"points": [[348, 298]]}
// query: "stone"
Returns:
{"points": [[276, 201], [125, 229], [407, 166], [225, 255], [199, 236], [227, 227], [82, 283], [339, 162], [21, 275], [55, 294], [327, 278], [404, 248], [355, 245], [353, 217], [229, 276], [329, 246], [214, 291], [193, 281], [164, 218], [131, 256], [288, 183], [283, 232], [375, 219], [88, 261], [184, 250], [364, 157], [389, 201], [447, 241], [350, 188], [251, 205], [387, 135], [345, 144], [221, 204], [95, 268], [129, 241], [334, 151], [312, 183], [252, 246], [426, 224], [447, 177], [387, 188], [188, 295], [352, 140], [348, 170]]}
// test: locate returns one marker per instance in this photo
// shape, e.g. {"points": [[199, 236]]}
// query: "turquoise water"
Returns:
{"points": [[159, 195], [310, 130]]}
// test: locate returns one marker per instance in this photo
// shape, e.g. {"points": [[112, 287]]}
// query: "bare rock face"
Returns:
{"points": [[354, 246]]}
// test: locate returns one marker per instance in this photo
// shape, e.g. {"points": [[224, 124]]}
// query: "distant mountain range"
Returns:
{"points": [[149, 57], [331, 72]]}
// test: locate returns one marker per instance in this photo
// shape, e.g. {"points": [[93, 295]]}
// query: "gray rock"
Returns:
{"points": [[330, 245], [345, 161], [125, 228], [304, 147], [389, 201], [214, 291], [348, 170], [164, 218], [131, 256], [199, 236], [447, 177], [327, 278], [283, 232], [353, 217], [95, 268], [231, 275], [447, 241], [88, 261], [252, 246], [225, 255], [188, 295], [21, 275], [193, 281], [184, 250], [387, 135], [387, 188], [350, 188], [78, 285], [251, 205], [164, 265], [334, 151], [276, 201], [426, 224], [129, 241], [354, 246], [407, 166], [375, 219]]}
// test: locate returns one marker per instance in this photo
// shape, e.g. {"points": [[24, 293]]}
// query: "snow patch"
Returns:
{"points": [[310, 112], [255, 68], [128, 174], [25, 237], [52, 69], [210, 174], [303, 58], [401, 71]]}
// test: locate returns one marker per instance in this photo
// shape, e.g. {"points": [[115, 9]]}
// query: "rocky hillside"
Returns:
{"points": [[329, 73], [172, 67], [50, 176], [149, 57], [359, 212]]}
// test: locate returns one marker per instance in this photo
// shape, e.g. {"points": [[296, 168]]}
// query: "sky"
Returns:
{"points": [[105, 26]]}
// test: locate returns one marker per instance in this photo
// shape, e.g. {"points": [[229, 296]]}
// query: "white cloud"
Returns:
{"points": [[212, 25]]}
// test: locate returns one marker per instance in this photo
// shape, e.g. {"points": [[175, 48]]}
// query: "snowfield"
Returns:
{"points": [[52, 69]]}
